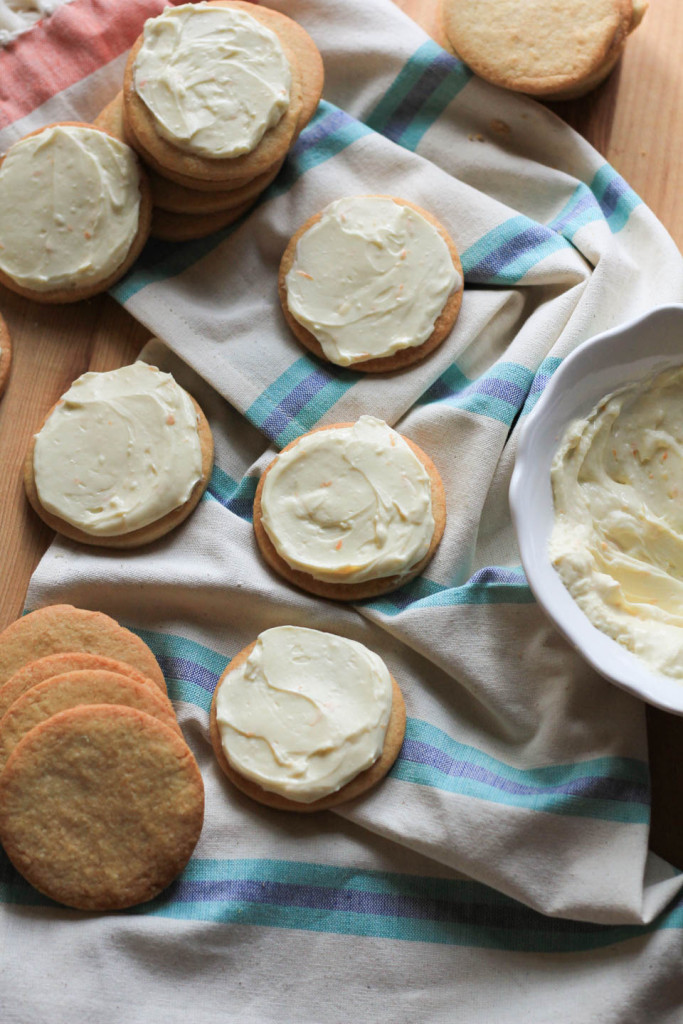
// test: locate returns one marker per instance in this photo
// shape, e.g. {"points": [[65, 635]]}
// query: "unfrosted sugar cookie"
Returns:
{"points": [[73, 689], [101, 806], [556, 50], [75, 212], [234, 101], [61, 628], [327, 705], [121, 459], [59, 664], [5, 355], [371, 282], [350, 511]]}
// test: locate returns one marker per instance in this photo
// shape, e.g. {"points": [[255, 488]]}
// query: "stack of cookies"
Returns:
{"points": [[214, 96], [101, 800]]}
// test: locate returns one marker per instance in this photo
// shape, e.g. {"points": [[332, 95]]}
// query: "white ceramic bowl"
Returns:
{"points": [[599, 366]]}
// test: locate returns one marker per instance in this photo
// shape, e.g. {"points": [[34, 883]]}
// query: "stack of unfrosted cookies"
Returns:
{"points": [[101, 799], [214, 96]]}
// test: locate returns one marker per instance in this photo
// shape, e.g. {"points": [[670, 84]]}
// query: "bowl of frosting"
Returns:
{"points": [[597, 503]]}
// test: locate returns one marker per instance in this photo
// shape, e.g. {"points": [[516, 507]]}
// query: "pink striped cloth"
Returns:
{"points": [[68, 65]]}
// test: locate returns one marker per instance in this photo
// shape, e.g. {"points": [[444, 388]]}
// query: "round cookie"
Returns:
{"points": [[182, 227], [73, 689], [5, 355], [553, 50], [403, 357], [101, 807], [173, 161], [75, 292], [362, 782], [366, 588], [137, 537], [58, 664], [61, 629]]}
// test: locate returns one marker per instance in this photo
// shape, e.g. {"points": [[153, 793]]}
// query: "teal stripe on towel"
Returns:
{"points": [[349, 900]]}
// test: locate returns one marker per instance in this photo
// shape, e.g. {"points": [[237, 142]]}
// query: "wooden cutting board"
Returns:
{"points": [[633, 119]]}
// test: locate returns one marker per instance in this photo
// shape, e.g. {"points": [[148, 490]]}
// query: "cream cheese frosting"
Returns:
{"points": [[214, 79], [617, 540], [120, 450], [305, 712], [349, 504], [69, 207], [370, 278]]}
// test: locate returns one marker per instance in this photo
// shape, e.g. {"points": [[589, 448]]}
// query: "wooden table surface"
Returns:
{"points": [[632, 119]]}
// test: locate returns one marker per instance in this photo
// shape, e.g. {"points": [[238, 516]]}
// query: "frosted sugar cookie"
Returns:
{"points": [[303, 720], [101, 806], [61, 628], [58, 664], [371, 282], [350, 511], [232, 104], [5, 355], [73, 689], [554, 50], [121, 459], [75, 213]]}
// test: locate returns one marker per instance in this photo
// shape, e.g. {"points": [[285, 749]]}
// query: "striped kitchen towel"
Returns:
{"points": [[502, 870]]}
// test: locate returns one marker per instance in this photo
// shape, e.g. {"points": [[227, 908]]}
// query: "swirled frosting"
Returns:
{"points": [[119, 451], [305, 713], [349, 504], [214, 79], [69, 206], [617, 540], [369, 278]]}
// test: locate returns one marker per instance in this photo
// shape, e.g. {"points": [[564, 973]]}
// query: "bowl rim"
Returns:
{"points": [[529, 474]]}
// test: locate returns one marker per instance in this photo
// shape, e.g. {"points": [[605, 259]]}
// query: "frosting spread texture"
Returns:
{"points": [[214, 79], [119, 451], [69, 206], [349, 504], [369, 278], [617, 540], [305, 713]]}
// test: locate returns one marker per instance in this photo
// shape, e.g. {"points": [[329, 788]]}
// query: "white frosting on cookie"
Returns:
{"points": [[305, 713], [120, 450], [370, 278], [69, 206], [349, 504], [214, 79]]}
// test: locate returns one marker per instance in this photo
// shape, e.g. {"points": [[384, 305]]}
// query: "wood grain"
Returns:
{"points": [[632, 119]]}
